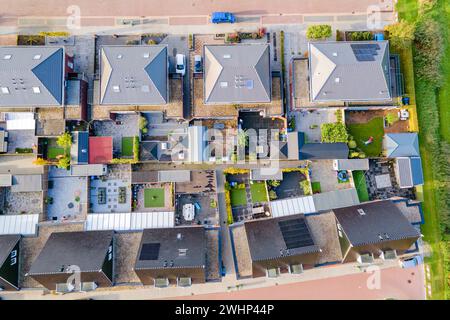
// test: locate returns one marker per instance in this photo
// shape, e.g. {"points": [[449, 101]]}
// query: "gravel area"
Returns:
{"points": [[22, 202], [212, 256], [127, 247], [242, 251]]}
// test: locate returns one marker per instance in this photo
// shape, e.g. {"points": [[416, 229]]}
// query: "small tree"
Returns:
{"points": [[318, 32], [64, 140], [334, 132], [391, 118], [401, 34], [64, 162]]}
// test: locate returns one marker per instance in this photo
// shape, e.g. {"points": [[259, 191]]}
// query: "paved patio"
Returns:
{"points": [[125, 125], [206, 215], [112, 196], [69, 198], [309, 121], [322, 171], [20, 139]]}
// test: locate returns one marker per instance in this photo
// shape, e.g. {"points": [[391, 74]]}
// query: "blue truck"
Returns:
{"points": [[223, 17]]}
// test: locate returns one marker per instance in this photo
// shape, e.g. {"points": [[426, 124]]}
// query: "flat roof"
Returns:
{"points": [[375, 222], [31, 76], [7, 243], [277, 237], [134, 75], [26, 183], [85, 249], [130, 221], [79, 151], [237, 73], [100, 150], [181, 247]]}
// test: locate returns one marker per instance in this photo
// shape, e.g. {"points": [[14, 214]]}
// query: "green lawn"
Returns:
{"points": [[53, 152], [361, 132], [238, 197], [316, 187], [360, 185], [154, 198], [258, 191], [127, 146], [444, 91], [407, 9]]}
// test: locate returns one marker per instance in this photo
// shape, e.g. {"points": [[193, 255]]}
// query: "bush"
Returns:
{"points": [[136, 148], [123, 161], [64, 140], [232, 170], [352, 144], [64, 162], [391, 118], [318, 32], [361, 36], [142, 123], [334, 132], [401, 34], [274, 183], [54, 33], [24, 150], [40, 162], [272, 195], [306, 186]]}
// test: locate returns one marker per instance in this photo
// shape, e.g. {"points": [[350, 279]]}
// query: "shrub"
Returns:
{"points": [[318, 32], [401, 34], [64, 140], [54, 33], [136, 148], [306, 186], [361, 36], [142, 123], [354, 154], [272, 195], [123, 161], [334, 132], [232, 170], [64, 162], [274, 183], [352, 144], [151, 42], [391, 118], [40, 162], [24, 150]]}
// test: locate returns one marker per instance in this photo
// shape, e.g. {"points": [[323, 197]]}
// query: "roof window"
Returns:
{"points": [[7, 57], [37, 57], [227, 56], [5, 90], [36, 90], [224, 84], [116, 88]]}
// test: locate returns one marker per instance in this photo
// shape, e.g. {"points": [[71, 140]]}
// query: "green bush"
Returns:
{"points": [[272, 195], [64, 140], [136, 148], [391, 118], [318, 32], [352, 144], [64, 162], [361, 36], [401, 34], [24, 150], [334, 132]]}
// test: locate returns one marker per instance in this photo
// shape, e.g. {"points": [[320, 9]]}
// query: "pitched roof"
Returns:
{"points": [[7, 243], [349, 71], [237, 73], [31, 76], [299, 150], [288, 236], [409, 172], [134, 75], [183, 246], [402, 145], [85, 249], [381, 221]]}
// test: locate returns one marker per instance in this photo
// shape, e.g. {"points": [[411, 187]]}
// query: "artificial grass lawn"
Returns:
{"points": [[53, 152], [127, 146], [316, 187], [361, 132], [258, 191], [360, 185], [154, 198], [238, 197]]}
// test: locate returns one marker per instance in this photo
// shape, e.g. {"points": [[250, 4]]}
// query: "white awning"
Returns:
{"points": [[287, 207], [24, 224], [129, 221]]}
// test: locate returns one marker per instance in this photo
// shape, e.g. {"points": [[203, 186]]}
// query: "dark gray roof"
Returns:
{"points": [[267, 241], [31, 76], [86, 249], [7, 243], [326, 151], [73, 88], [79, 151], [382, 221], [161, 247], [402, 144], [237, 73], [349, 71], [134, 75]]}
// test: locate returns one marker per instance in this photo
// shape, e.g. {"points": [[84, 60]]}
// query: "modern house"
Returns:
{"points": [[237, 74], [349, 71], [172, 256], [9, 262], [404, 147], [371, 230], [33, 76], [91, 253], [280, 245]]}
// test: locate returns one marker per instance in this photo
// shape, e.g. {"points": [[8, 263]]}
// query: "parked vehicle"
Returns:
{"points": [[181, 64], [412, 262], [198, 67], [223, 17]]}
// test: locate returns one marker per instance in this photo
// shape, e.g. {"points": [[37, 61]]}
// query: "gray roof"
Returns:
{"points": [[3, 143], [5, 180], [266, 174], [86, 170], [174, 176], [134, 75], [299, 150], [382, 221], [402, 145], [85, 249], [161, 247], [26, 183], [352, 164], [7, 243], [237, 73], [28, 68], [266, 240], [73, 88], [349, 71], [325, 201], [409, 172]]}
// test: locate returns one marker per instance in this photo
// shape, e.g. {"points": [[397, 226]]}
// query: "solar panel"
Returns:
{"points": [[365, 51], [295, 233], [149, 251]]}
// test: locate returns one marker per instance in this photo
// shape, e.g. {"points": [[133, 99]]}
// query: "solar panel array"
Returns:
{"points": [[149, 251], [295, 233], [365, 51]]}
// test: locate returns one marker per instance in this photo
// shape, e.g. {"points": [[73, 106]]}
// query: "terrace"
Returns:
{"points": [[110, 195], [20, 202], [291, 186], [205, 209], [309, 121], [324, 177], [152, 197]]}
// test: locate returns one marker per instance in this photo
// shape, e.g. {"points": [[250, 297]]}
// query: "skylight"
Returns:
{"points": [[36, 90], [224, 84], [116, 88], [146, 55], [7, 56], [227, 56], [119, 56], [5, 90], [37, 57]]}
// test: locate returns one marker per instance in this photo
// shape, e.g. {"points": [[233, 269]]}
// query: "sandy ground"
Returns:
{"points": [[395, 283]]}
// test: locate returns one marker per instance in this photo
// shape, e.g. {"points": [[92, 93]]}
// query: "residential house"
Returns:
{"points": [[299, 150], [172, 256], [89, 252], [9, 262]]}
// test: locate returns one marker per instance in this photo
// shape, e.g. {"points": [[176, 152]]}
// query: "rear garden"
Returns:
{"points": [[154, 198]]}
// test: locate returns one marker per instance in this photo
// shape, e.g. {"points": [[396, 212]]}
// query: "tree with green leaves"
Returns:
{"points": [[64, 162], [318, 32], [64, 140]]}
